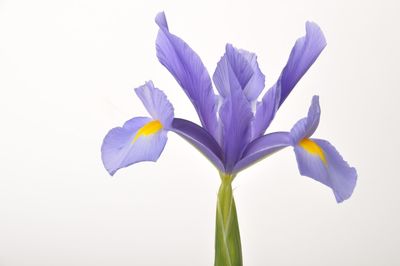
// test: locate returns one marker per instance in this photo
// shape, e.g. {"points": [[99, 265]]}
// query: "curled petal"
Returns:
{"points": [[232, 72], [256, 83], [188, 69], [241, 67], [156, 103], [200, 139], [304, 53], [305, 127], [140, 139], [261, 148], [319, 160]]}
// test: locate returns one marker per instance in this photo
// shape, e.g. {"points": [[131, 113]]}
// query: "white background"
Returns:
{"points": [[67, 74]]}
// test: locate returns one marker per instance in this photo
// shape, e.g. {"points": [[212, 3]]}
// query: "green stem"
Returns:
{"points": [[228, 251]]}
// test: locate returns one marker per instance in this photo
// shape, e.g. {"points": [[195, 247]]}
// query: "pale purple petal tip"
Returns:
{"points": [[161, 20], [305, 127], [156, 103], [241, 67]]}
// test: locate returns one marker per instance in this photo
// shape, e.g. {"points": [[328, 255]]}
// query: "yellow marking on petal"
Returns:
{"points": [[313, 148], [150, 128]]}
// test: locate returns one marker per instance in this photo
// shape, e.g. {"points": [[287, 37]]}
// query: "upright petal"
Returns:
{"points": [[304, 53], [236, 116], [243, 66], [256, 83], [189, 71], [232, 72], [156, 103], [265, 111], [139, 139], [318, 159], [305, 127]]}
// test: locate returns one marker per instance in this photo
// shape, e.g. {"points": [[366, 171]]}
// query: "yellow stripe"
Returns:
{"points": [[313, 148], [150, 128]]}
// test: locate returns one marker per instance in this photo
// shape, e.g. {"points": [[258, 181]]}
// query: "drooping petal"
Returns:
{"points": [[187, 68], [200, 139], [236, 116], [139, 139], [319, 160], [305, 127], [156, 103], [261, 148], [243, 67], [304, 53]]}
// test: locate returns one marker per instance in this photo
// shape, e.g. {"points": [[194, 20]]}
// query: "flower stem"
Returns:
{"points": [[228, 251]]}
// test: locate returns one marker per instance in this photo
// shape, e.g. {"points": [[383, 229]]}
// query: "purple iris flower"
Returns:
{"points": [[233, 121], [233, 124]]}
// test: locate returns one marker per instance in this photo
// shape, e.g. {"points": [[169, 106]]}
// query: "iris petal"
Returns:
{"points": [[201, 139], [156, 103], [256, 83], [263, 147], [236, 116], [230, 77], [265, 112], [241, 66], [233, 72], [318, 159], [335, 172], [188, 69], [305, 127], [304, 53], [123, 146]]}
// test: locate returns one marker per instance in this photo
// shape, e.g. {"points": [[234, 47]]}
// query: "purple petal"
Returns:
{"points": [[304, 53], [265, 112], [232, 72], [200, 139], [305, 127], [256, 83], [189, 71], [262, 147], [333, 171], [121, 147], [236, 116], [239, 66], [156, 103]]}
